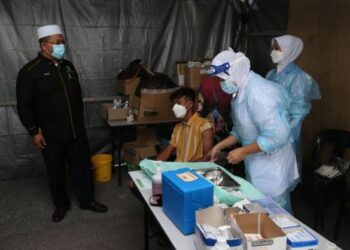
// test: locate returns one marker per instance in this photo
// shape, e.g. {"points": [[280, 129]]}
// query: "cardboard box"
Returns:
{"points": [[154, 105], [214, 216], [128, 86], [135, 151], [184, 192], [273, 238], [194, 77], [109, 113], [144, 133], [181, 72]]}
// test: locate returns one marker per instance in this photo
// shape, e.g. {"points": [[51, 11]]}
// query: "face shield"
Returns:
{"points": [[217, 69], [230, 67]]}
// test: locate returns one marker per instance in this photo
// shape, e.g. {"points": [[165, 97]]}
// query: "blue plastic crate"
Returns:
{"points": [[182, 198]]}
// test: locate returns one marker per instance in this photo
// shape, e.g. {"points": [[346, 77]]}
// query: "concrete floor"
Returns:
{"points": [[26, 209], [25, 220]]}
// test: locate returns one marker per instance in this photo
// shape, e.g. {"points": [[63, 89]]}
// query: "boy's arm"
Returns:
{"points": [[208, 143], [165, 154]]}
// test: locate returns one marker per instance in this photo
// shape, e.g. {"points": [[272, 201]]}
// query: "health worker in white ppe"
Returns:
{"points": [[300, 86], [260, 124]]}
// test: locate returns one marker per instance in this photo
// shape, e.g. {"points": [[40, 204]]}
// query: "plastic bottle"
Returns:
{"points": [[115, 104], [130, 117], [157, 181], [221, 244], [126, 105]]}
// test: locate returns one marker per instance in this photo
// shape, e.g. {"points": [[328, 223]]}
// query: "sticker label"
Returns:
{"points": [[187, 176]]}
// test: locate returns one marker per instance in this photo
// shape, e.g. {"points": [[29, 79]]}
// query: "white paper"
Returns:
{"points": [[141, 180]]}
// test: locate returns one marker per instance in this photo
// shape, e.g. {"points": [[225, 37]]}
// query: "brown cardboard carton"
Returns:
{"points": [[110, 114], [154, 105], [128, 86], [260, 224], [135, 151], [194, 77], [181, 72], [144, 133]]}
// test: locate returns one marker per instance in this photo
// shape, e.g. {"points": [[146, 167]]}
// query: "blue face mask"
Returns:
{"points": [[58, 51], [228, 87]]}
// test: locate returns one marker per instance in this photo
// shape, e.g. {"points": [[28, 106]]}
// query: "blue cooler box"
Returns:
{"points": [[184, 192]]}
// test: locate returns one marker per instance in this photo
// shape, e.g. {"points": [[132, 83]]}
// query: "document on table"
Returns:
{"points": [[141, 180]]}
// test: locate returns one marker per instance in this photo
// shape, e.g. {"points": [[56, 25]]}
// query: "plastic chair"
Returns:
{"points": [[330, 144]]}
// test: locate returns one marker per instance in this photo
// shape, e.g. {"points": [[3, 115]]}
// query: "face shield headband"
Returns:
{"points": [[214, 70]]}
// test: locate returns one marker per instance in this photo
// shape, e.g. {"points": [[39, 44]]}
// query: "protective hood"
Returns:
{"points": [[291, 47], [239, 66]]}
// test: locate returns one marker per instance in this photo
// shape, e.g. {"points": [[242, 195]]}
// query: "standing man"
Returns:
{"points": [[50, 106]]}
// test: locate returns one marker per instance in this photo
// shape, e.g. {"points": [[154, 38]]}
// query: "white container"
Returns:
{"points": [[157, 181], [221, 244]]}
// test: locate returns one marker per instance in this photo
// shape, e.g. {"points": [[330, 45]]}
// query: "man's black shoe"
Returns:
{"points": [[95, 207], [59, 214]]}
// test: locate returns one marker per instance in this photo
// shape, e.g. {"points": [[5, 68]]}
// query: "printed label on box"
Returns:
{"points": [[187, 176]]}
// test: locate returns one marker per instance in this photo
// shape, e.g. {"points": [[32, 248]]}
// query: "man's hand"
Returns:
{"points": [[236, 155], [38, 141]]}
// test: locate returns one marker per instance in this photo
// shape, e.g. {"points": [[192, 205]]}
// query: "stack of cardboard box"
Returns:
{"points": [[143, 147], [190, 73], [152, 105]]}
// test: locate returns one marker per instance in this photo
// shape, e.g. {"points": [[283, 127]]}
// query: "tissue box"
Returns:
{"points": [[109, 113], [214, 216], [298, 238], [301, 240], [184, 192]]}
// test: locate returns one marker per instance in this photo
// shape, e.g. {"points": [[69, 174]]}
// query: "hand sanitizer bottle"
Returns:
{"points": [[221, 244], [157, 182]]}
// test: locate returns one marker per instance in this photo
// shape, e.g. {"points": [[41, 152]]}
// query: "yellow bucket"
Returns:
{"points": [[102, 167]]}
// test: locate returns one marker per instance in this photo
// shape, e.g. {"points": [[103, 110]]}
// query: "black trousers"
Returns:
{"points": [[75, 154]]}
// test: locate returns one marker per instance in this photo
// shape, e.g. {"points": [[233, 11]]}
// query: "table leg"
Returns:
{"points": [[119, 158], [113, 150], [146, 215]]}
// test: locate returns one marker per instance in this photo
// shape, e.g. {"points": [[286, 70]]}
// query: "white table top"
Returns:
{"points": [[183, 242]]}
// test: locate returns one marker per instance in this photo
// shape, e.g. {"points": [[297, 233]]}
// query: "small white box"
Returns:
{"points": [[301, 240]]}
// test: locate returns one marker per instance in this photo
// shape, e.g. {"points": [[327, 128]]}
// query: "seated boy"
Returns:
{"points": [[192, 138]]}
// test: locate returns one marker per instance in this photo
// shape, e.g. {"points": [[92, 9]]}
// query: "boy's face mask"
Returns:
{"points": [[179, 110]]}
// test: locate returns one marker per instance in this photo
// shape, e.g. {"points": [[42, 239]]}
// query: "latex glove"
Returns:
{"points": [[236, 155]]}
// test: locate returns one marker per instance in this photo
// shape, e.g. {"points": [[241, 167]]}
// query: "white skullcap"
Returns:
{"points": [[49, 30], [239, 66]]}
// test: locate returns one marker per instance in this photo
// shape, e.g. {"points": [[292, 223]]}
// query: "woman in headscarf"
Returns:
{"points": [[260, 124], [300, 86]]}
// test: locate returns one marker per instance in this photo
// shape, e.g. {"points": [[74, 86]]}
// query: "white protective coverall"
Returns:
{"points": [[301, 88], [259, 114]]}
